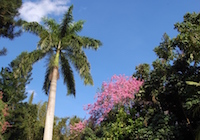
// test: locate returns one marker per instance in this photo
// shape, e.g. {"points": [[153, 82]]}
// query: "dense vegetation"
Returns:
{"points": [[159, 101], [167, 106]]}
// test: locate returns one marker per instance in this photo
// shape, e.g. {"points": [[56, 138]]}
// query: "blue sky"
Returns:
{"points": [[129, 31]]}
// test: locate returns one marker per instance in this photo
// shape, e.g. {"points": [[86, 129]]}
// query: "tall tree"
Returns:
{"points": [[63, 46], [13, 85]]}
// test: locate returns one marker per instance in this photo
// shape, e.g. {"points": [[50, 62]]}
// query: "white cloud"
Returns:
{"points": [[34, 11]]}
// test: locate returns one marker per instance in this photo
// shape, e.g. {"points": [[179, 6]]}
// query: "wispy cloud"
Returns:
{"points": [[34, 11]]}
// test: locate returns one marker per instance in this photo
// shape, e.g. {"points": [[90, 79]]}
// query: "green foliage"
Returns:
{"points": [[67, 20], [60, 131], [89, 134], [26, 121], [168, 84], [164, 50], [8, 14], [47, 80], [193, 83], [22, 65], [42, 107], [120, 127], [22, 116], [142, 71], [3, 52], [12, 86], [68, 75], [145, 124]]}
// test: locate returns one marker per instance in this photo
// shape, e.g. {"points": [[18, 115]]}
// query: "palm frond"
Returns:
{"points": [[76, 27], [51, 24], [36, 55], [48, 75], [47, 81], [91, 43], [67, 20], [68, 75], [33, 27], [45, 43], [23, 63], [80, 62], [72, 41], [78, 42]]}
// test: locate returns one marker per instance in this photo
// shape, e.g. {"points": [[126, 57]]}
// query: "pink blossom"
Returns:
{"points": [[5, 125], [77, 127], [119, 90], [1, 95], [3, 113], [5, 110]]}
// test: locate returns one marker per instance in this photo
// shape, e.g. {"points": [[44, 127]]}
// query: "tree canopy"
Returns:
{"points": [[8, 14]]}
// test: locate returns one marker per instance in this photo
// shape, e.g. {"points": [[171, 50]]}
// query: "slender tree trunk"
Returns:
{"points": [[48, 131]]}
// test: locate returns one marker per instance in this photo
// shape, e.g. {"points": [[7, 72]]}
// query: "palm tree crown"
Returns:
{"points": [[63, 46]]}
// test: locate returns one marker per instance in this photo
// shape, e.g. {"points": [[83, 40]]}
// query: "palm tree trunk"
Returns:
{"points": [[48, 131]]}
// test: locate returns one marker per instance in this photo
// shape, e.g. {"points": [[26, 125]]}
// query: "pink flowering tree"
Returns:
{"points": [[3, 113], [77, 128], [120, 90]]}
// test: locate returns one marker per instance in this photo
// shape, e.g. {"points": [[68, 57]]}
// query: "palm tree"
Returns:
{"points": [[64, 47]]}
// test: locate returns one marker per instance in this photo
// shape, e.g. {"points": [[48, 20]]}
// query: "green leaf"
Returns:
{"points": [[68, 75], [192, 83], [47, 80]]}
